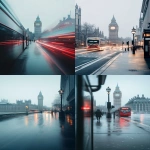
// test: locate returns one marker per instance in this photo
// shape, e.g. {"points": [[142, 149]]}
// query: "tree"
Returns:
{"points": [[88, 27]]}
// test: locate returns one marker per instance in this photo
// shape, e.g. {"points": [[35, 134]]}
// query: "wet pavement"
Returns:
{"points": [[89, 61], [39, 60], [111, 61], [37, 131], [122, 133], [128, 64]]}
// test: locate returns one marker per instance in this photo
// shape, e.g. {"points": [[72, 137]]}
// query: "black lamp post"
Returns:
{"points": [[61, 112], [108, 103], [26, 110], [133, 32]]}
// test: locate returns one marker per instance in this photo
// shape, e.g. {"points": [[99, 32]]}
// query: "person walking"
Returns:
{"points": [[98, 114]]}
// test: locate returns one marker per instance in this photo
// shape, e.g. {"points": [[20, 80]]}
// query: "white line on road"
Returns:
{"points": [[87, 64], [105, 66], [136, 122]]}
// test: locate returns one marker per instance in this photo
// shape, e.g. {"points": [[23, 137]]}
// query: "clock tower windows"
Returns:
{"points": [[117, 95], [113, 31]]}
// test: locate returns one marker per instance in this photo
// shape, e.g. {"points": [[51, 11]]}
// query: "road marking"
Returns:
{"points": [[87, 64], [136, 122], [105, 66], [87, 51]]}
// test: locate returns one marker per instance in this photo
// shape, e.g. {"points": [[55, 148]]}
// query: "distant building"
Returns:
{"points": [[117, 95], [139, 104], [37, 28], [29, 35], [40, 102], [113, 31], [4, 101], [145, 10], [20, 106]]}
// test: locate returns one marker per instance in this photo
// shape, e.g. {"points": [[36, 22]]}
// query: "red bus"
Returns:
{"points": [[123, 112], [87, 108]]}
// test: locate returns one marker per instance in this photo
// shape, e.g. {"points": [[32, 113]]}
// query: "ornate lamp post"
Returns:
{"points": [[108, 103], [133, 32], [61, 114]]}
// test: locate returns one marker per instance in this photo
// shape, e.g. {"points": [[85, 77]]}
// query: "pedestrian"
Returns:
{"points": [[98, 114]]}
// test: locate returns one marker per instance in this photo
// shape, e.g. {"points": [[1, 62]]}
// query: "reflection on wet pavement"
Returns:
{"points": [[38, 131]]}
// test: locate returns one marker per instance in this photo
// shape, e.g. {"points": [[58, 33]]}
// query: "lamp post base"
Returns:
{"points": [[61, 114], [108, 115]]}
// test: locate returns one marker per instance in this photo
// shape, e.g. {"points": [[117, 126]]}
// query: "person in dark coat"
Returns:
{"points": [[98, 114]]}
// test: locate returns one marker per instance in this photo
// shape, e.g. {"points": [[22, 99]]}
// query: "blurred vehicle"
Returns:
{"points": [[85, 107], [123, 112], [93, 43], [60, 38], [12, 37]]}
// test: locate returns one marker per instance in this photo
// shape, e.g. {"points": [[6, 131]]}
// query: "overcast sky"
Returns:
{"points": [[49, 11], [100, 13], [28, 87], [130, 86]]}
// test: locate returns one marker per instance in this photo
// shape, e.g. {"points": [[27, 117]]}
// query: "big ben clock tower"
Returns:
{"points": [[113, 31], [37, 27], [40, 102], [117, 95]]}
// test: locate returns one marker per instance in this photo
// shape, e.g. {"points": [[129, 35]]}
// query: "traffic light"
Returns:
{"points": [[128, 43]]}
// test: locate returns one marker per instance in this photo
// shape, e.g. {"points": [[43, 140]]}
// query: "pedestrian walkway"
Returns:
{"points": [[128, 64], [34, 60], [39, 131], [120, 134]]}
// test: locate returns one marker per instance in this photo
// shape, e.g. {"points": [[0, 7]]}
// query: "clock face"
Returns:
{"points": [[117, 94], [112, 28]]}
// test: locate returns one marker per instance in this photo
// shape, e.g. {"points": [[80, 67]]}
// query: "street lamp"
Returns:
{"points": [[26, 109], [61, 112], [133, 32], [108, 103], [135, 40]]}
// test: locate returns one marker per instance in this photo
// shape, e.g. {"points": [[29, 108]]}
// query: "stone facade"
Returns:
{"points": [[37, 28], [117, 95], [113, 31], [139, 104], [20, 106], [78, 25], [40, 101]]}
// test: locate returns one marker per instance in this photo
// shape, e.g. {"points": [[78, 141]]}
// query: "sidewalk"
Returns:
{"points": [[120, 134], [34, 60], [128, 64]]}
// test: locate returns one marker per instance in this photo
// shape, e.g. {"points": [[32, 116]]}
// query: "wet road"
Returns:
{"points": [[122, 133], [37, 131], [40, 60], [91, 61]]}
